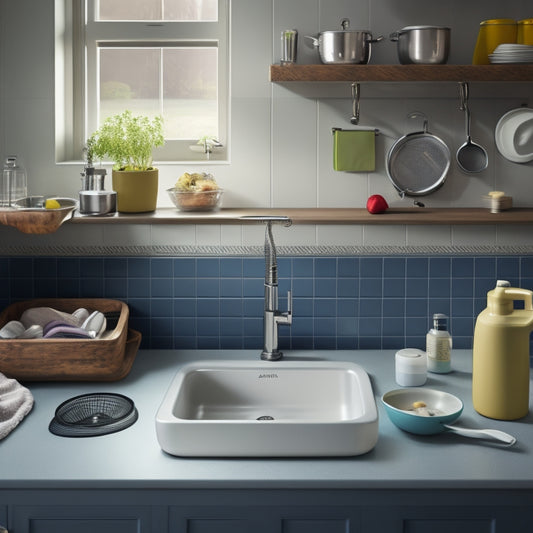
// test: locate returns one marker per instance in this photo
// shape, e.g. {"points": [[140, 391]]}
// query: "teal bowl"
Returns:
{"points": [[399, 403]]}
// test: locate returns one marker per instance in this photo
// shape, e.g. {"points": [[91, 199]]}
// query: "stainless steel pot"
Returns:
{"points": [[98, 202], [344, 46], [423, 45]]}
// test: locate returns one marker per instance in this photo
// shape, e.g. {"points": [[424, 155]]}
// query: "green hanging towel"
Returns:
{"points": [[354, 150]]}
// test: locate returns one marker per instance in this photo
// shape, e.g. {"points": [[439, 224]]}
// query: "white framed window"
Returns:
{"points": [[168, 57]]}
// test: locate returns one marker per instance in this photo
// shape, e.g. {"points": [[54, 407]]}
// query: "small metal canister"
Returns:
{"points": [[94, 200], [98, 203]]}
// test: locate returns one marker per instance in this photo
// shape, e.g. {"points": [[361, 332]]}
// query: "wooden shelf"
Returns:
{"points": [[413, 73], [356, 216]]}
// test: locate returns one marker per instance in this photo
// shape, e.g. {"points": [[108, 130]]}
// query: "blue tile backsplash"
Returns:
{"points": [[338, 302]]}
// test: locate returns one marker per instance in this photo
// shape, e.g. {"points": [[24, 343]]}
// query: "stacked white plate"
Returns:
{"points": [[512, 53]]}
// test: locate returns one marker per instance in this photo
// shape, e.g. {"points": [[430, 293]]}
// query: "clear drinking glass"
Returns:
{"points": [[14, 183], [289, 46]]}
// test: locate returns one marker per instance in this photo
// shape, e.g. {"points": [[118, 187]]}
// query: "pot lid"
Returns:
{"points": [[345, 24], [410, 28]]}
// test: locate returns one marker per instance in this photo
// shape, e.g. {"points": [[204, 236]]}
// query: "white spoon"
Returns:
{"points": [[492, 434]]}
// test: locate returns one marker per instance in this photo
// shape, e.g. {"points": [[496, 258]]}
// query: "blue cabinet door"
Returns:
{"points": [[3, 518], [443, 519], [263, 519], [80, 519]]}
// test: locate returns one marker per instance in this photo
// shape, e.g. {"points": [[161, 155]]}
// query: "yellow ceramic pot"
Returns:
{"points": [[491, 34], [136, 190], [524, 34]]}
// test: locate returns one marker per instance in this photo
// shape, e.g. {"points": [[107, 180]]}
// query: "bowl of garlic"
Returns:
{"points": [[197, 191]]}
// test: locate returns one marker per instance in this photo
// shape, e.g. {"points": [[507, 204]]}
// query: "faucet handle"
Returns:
{"points": [[286, 318]]}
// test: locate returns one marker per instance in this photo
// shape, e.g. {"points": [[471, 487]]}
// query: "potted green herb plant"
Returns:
{"points": [[129, 142]]}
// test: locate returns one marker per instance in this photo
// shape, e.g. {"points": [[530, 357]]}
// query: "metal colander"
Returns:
{"points": [[417, 163], [89, 415]]}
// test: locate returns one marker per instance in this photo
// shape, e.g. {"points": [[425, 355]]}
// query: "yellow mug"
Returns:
{"points": [[524, 33], [491, 34]]}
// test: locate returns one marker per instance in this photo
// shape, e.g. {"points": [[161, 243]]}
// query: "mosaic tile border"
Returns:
{"points": [[254, 251]]}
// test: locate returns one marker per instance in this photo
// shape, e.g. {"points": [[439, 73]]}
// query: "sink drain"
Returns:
{"points": [[265, 417]]}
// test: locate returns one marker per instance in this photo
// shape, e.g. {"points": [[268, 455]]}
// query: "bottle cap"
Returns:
{"points": [[440, 322]]}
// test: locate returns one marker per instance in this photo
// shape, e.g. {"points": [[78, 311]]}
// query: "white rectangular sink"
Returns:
{"points": [[264, 409]]}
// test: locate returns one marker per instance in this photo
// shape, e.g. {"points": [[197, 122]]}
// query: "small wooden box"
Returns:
{"points": [[108, 358]]}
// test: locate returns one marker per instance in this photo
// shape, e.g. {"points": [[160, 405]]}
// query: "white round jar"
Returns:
{"points": [[411, 367]]}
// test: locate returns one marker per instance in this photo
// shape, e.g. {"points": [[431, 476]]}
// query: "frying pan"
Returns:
{"points": [[418, 162], [439, 410]]}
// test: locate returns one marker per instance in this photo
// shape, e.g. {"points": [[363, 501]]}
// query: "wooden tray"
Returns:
{"points": [[108, 358]]}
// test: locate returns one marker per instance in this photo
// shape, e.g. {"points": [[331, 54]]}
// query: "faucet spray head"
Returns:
{"points": [[271, 263]]}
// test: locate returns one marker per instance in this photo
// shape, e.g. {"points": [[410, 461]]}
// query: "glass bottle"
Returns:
{"points": [[14, 183], [439, 346]]}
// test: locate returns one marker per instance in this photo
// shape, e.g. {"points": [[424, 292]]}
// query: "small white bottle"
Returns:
{"points": [[439, 346]]}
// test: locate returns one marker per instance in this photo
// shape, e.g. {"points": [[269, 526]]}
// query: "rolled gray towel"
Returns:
{"points": [[43, 315], [16, 402]]}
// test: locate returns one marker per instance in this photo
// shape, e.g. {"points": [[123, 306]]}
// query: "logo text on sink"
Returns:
{"points": [[268, 376]]}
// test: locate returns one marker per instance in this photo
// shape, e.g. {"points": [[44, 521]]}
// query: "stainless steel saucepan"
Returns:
{"points": [[422, 45], [344, 46]]}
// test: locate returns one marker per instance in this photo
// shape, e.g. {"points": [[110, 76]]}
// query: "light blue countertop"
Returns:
{"points": [[32, 457]]}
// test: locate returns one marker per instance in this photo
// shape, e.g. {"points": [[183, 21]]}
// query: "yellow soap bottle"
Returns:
{"points": [[500, 374]]}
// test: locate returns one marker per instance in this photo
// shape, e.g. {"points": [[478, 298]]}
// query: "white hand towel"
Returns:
{"points": [[16, 402]]}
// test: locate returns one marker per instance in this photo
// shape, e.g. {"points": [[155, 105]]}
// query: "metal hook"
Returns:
{"points": [[463, 91], [423, 116], [356, 96]]}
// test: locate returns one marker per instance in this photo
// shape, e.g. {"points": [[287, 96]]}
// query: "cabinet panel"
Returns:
{"points": [[210, 519], [3, 518], [443, 519], [443, 525], [80, 525], [213, 525], [315, 526], [81, 519], [263, 519]]}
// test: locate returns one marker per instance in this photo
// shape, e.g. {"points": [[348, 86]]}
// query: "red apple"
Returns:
{"points": [[376, 204]]}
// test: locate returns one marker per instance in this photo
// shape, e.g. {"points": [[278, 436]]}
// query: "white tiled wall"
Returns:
{"points": [[280, 141]]}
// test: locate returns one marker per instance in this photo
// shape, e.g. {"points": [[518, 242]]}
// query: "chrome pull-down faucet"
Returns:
{"points": [[272, 317]]}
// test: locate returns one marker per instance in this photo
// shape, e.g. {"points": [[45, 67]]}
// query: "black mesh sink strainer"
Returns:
{"points": [[89, 415]]}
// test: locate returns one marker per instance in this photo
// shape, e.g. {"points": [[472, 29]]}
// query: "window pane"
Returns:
{"points": [[190, 9], [129, 10], [129, 79], [175, 10], [190, 95]]}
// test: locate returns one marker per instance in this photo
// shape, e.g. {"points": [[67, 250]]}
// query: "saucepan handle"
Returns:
{"points": [[314, 40]]}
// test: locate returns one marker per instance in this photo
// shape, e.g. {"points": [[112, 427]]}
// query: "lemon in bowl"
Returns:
{"points": [[52, 203]]}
